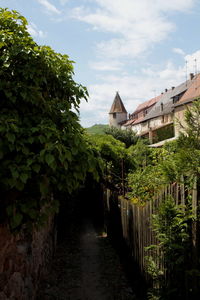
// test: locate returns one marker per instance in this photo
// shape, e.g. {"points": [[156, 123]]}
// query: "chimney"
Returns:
{"points": [[191, 76], [173, 87], [161, 106], [166, 90]]}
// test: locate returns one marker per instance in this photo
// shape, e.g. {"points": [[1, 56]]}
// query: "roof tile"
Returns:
{"points": [[192, 92], [117, 106]]}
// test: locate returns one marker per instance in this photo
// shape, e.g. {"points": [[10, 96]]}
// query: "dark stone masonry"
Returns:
{"points": [[24, 258]]}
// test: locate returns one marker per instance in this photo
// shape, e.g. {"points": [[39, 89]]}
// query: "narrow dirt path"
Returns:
{"points": [[86, 267]]}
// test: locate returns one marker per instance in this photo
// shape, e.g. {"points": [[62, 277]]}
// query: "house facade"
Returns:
{"points": [[159, 119], [185, 101], [135, 119], [159, 122]]}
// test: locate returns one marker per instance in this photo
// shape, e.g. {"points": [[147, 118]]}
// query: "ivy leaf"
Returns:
{"points": [[16, 220], [19, 185], [14, 172], [24, 177], [29, 161], [25, 150], [68, 155], [49, 158], [36, 168], [10, 137], [1, 154], [43, 188], [9, 210], [32, 214], [42, 139]]}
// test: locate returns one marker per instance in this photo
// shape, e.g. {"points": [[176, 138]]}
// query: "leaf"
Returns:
{"points": [[14, 172], [68, 155], [16, 220], [32, 213], [9, 210], [10, 137], [29, 161], [25, 150], [42, 139], [24, 177], [1, 154], [36, 168], [43, 188], [49, 158], [30, 140], [19, 185]]}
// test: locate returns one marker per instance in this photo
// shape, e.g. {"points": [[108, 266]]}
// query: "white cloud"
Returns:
{"points": [[63, 2], [193, 62], [176, 5], [50, 8], [34, 31], [109, 65], [133, 89], [178, 51], [136, 24], [134, 27]]}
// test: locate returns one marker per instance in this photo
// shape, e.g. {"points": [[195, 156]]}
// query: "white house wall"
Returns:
{"points": [[119, 118], [137, 128]]}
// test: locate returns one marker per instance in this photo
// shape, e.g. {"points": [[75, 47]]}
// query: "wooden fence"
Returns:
{"points": [[136, 222]]}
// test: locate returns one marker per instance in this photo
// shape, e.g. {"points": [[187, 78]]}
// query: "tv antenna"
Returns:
{"points": [[195, 71], [186, 70], [195, 66]]}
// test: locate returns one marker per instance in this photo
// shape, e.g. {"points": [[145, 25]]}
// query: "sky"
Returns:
{"points": [[136, 47]]}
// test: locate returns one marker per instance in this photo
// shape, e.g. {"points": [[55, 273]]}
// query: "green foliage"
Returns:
{"points": [[182, 157], [111, 152], [140, 154], [109, 147], [192, 130], [164, 133], [42, 148], [172, 227], [128, 137], [144, 184], [97, 129]]}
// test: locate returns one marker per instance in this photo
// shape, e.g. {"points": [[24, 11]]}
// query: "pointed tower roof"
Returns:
{"points": [[117, 106]]}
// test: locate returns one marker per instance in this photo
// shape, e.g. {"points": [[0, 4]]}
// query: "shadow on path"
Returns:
{"points": [[85, 267]]}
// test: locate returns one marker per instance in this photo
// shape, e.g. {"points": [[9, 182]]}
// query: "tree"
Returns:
{"points": [[128, 137], [111, 152], [42, 149]]}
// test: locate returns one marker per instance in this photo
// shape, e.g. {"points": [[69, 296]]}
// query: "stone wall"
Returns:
{"points": [[24, 259]]}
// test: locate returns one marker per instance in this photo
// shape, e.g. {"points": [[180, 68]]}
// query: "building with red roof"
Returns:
{"points": [[159, 118], [192, 93]]}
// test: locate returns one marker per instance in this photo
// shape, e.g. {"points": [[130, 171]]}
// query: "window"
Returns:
{"points": [[114, 115]]}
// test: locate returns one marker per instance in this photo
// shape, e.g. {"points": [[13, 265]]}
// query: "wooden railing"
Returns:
{"points": [[136, 222]]}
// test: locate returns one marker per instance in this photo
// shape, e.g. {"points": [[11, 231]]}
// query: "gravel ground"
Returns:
{"points": [[86, 267]]}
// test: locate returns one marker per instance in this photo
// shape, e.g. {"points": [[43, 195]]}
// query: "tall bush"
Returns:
{"points": [[42, 148]]}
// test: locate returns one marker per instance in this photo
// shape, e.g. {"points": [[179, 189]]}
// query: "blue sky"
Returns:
{"points": [[136, 47]]}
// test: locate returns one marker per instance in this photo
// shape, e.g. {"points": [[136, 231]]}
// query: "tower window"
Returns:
{"points": [[114, 115]]}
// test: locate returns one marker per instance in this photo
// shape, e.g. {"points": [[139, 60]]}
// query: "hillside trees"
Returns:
{"points": [[42, 149]]}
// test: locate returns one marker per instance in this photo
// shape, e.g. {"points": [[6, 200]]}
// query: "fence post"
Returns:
{"points": [[123, 186], [194, 237]]}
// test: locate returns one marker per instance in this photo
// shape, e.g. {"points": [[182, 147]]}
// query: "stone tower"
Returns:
{"points": [[117, 112]]}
